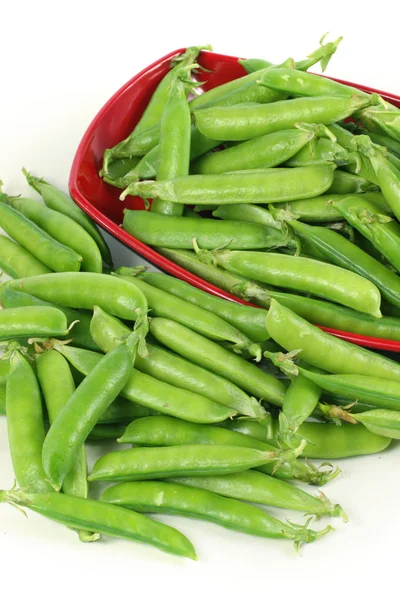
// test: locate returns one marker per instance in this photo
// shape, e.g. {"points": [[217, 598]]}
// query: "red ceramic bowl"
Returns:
{"points": [[114, 122]]}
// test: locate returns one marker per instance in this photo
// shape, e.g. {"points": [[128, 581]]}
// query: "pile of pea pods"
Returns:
{"points": [[220, 408]]}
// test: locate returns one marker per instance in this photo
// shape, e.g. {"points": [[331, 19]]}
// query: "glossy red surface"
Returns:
{"points": [[114, 122]]}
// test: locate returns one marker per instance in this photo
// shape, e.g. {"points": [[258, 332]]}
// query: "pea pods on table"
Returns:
{"points": [[254, 186], [177, 499], [103, 518], [304, 274], [174, 370], [18, 262], [63, 229], [25, 425], [245, 121]]}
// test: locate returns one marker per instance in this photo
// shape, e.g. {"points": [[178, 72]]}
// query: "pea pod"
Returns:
{"points": [[300, 401], [379, 229], [259, 488], [151, 393], [359, 166], [4, 371], [324, 351], [25, 423], [210, 355], [18, 262], [256, 187], [62, 228], [106, 432], [248, 319], [382, 120], [343, 253], [169, 461], [80, 332], [33, 321], [60, 201], [325, 440], [2, 400], [178, 231], [101, 517], [382, 422], [320, 151], [174, 370], [57, 385], [349, 183], [304, 274], [55, 256], [387, 142], [85, 290], [246, 121], [177, 499], [84, 408]]}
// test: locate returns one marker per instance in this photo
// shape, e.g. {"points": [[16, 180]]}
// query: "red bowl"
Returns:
{"points": [[114, 122]]}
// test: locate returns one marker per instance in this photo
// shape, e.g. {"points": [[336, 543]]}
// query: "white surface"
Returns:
{"points": [[60, 64]]}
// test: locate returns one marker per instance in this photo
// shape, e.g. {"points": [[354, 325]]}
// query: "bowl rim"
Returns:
{"points": [[159, 260]]}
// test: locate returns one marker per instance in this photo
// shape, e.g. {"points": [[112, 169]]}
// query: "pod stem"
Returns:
{"points": [[318, 476], [321, 55], [337, 413], [301, 533], [331, 509], [284, 362]]}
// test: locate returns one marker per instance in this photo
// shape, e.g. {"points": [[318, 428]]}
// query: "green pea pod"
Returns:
{"points": [[18, 262], [60, 201], [256, 187], [325, 351], [25, 424], [251, 65], [304, 274], [119, 168], [178, 232], [321, 209], [57, 385], [386, 142], [176, 499], [208, 354], [245, 121], [259, 488], [84, 290], [299, 402], [249, 320], [123, 411], [84, 408], [2, 400], [378, 228], [359, 166], [349, 183], [80, 332], [4, 371], [347, 255], [63, 229], [265, 151], [106, 432], [386, 120], [47, 250], [325, 440], [33, 321], [151, 393], [382, 422], [103, 518], [109, 332], [320, 151]]}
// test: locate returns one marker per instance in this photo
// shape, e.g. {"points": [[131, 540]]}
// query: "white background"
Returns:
{"points": [[60, 63]]}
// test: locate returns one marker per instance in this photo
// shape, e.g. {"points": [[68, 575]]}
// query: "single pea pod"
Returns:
{"points": [[84, 408], [265, 151], [85, 290], [315, 311], [382, 120], [304, 274], [249, 320], [360, 167], [259, 488], [169, 461], [179, 231], [379, 228], [4, 370], [177, 499], [61, 202], [324, 440], [321, 209], [325, 351], [57, 386], [319, 151], [349, 183], [103, 518], [246, 121], [106, 432], [163, 304], [386, 142], [122, 411], [381, 421], [255, 187], [2, 400], [63, 229], [18, 262], [25, 425], [210, 355], [120, 167], [151, 393], [347, 255], [174, 370], [33, 321], [47, 250], [250, 65], [80, 332], [300, 401]]}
